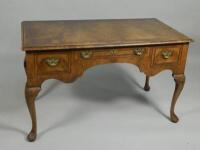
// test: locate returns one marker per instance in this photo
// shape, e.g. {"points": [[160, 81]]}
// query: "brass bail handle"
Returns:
{"points": [[138, 51], [166, 54], [52, 61], [113, 51], [86, 54]]}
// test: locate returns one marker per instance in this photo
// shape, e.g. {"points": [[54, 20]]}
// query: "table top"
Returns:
{"points": [[76, 34]]}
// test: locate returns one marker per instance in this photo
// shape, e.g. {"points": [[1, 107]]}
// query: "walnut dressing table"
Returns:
{"points": [[63, 50]]}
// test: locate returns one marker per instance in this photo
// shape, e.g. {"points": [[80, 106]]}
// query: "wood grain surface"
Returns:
{"points": [[72, 34]]}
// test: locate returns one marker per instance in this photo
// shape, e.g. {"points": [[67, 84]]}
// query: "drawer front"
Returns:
{"points": [[166, 54], [113, 53], [52, 63]]}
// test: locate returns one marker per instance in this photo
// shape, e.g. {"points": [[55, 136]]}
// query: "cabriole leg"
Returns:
{"points": [[30, 94], [179, 81], [146, 86]]}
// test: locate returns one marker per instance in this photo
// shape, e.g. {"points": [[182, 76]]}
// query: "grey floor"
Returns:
{"points": [[104, 109]]}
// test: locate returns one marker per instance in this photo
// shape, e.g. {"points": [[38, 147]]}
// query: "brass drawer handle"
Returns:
{"points": [[113, 52], [86, 54], [166, 54], [52, 61], [138, 51]]}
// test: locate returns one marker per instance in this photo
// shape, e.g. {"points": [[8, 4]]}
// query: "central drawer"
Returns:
{"points": [[91, 54]]}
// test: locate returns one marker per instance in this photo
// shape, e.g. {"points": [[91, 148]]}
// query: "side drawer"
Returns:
{"points": [[52, 63], [166, 54]]}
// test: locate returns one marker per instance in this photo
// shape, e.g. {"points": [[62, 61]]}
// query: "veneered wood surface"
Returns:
{"points": [[72, 34]]}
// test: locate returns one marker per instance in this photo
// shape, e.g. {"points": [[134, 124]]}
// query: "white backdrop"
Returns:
{"points": [[106, 108]]}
